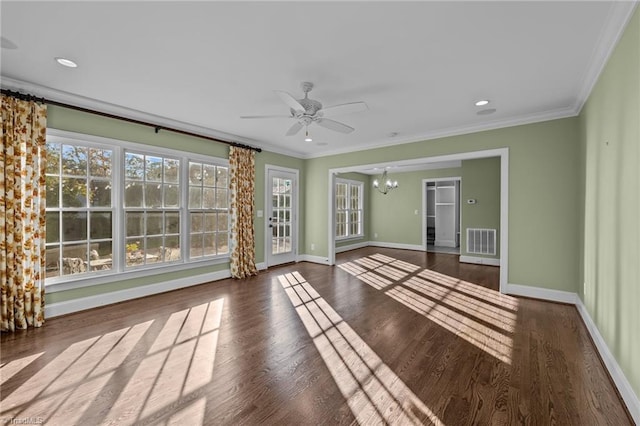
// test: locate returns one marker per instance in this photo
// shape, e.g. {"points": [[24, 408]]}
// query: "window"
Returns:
{"points": [[349, 222], [152, 209], [79, 209], [208, 209], [115, 207]]}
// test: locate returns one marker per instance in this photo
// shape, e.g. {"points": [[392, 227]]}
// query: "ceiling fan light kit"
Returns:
{"points": [[308, 111]]}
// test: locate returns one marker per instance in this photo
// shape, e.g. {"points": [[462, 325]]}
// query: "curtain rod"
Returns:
{"points": [[157, 128]]}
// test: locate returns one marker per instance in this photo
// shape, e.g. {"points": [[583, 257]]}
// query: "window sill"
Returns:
{"points": [[107, 277]]}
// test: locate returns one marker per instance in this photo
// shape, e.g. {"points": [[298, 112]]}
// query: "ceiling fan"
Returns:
{"points": [[307, 111]]}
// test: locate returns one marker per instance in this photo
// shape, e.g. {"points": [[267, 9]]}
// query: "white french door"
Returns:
{"points": [[281, 215]]}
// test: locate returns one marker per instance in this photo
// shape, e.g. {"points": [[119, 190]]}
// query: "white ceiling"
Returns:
{"points": [[418, 65]]}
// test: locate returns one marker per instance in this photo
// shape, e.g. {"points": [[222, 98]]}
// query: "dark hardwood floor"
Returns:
{"points": [[386, 336]]}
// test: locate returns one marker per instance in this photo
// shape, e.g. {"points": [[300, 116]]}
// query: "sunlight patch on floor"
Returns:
{"points": [[147, 385], [481, 316], [374, 393], [9, 369]]}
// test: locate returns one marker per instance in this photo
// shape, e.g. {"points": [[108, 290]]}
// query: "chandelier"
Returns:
{"points": [[384, 185]]}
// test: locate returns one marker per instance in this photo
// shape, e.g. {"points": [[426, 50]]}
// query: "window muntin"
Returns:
{"points": [[208, 210], [79, 212], [349, 215]]}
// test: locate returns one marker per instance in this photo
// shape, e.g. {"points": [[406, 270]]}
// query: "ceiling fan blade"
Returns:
{"points": [[266, 116], [294, 129], [344, 108], [290, 101], [334, 125]]}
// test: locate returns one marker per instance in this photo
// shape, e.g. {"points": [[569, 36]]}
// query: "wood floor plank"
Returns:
{"points": [[399, 337]]}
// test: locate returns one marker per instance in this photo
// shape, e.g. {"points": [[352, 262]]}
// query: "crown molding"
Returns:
{"points": [[615, 25], [537, 117]]}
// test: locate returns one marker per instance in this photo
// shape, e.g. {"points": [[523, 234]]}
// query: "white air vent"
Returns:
{"points": [[481, 241]]}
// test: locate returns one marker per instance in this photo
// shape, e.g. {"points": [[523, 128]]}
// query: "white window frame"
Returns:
{"points": [[350, 183], [119, 271]]}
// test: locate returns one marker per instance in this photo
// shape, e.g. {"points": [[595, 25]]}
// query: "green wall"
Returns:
{"points": [[75, 121], [480, 181], [543, 195], [393, 215], [610, 200]]}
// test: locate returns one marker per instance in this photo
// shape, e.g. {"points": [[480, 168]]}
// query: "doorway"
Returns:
{"points": [[441, 215], [281, 239]]}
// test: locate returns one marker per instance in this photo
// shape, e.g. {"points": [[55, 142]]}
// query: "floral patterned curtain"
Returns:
{"points": [[22, 215], [242, 176]]}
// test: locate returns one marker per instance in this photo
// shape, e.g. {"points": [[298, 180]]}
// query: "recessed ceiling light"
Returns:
{"points": [[66, 62], [308, 139], [482, 102]]}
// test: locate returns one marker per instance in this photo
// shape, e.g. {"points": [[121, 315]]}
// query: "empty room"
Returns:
{"points": [[320, 212]]}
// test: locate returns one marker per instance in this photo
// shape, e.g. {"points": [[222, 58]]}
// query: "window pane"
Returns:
{"points": [[52, 261], [171, 170], [100, 225], [154, 250], [222, 201], [223, 177], [135, 223], [209, 245], [100, 195], [223, 221], [100, 258], [171, 196], [153, 195], [195, 197], [196, 245], [133, 250], [172, 249], [74, 160], [74, 192], [209, 175], [196, 222], [208, 198], [172, 223], [133, 166], [74, 226], [53, 227], [133, 195], [53, 191], [210, 222], [195, 174], [153, 169], [74, 259], [154, 223], [222, 242], [100, 164], [53, 158]]}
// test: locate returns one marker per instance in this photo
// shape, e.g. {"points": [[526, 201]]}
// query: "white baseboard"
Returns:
{"points": [[261, 266], [83, 303], [617, 375], [313, 259], [352, 246], [624, 387], [396, 245], [480, 260], [542, 293]]}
